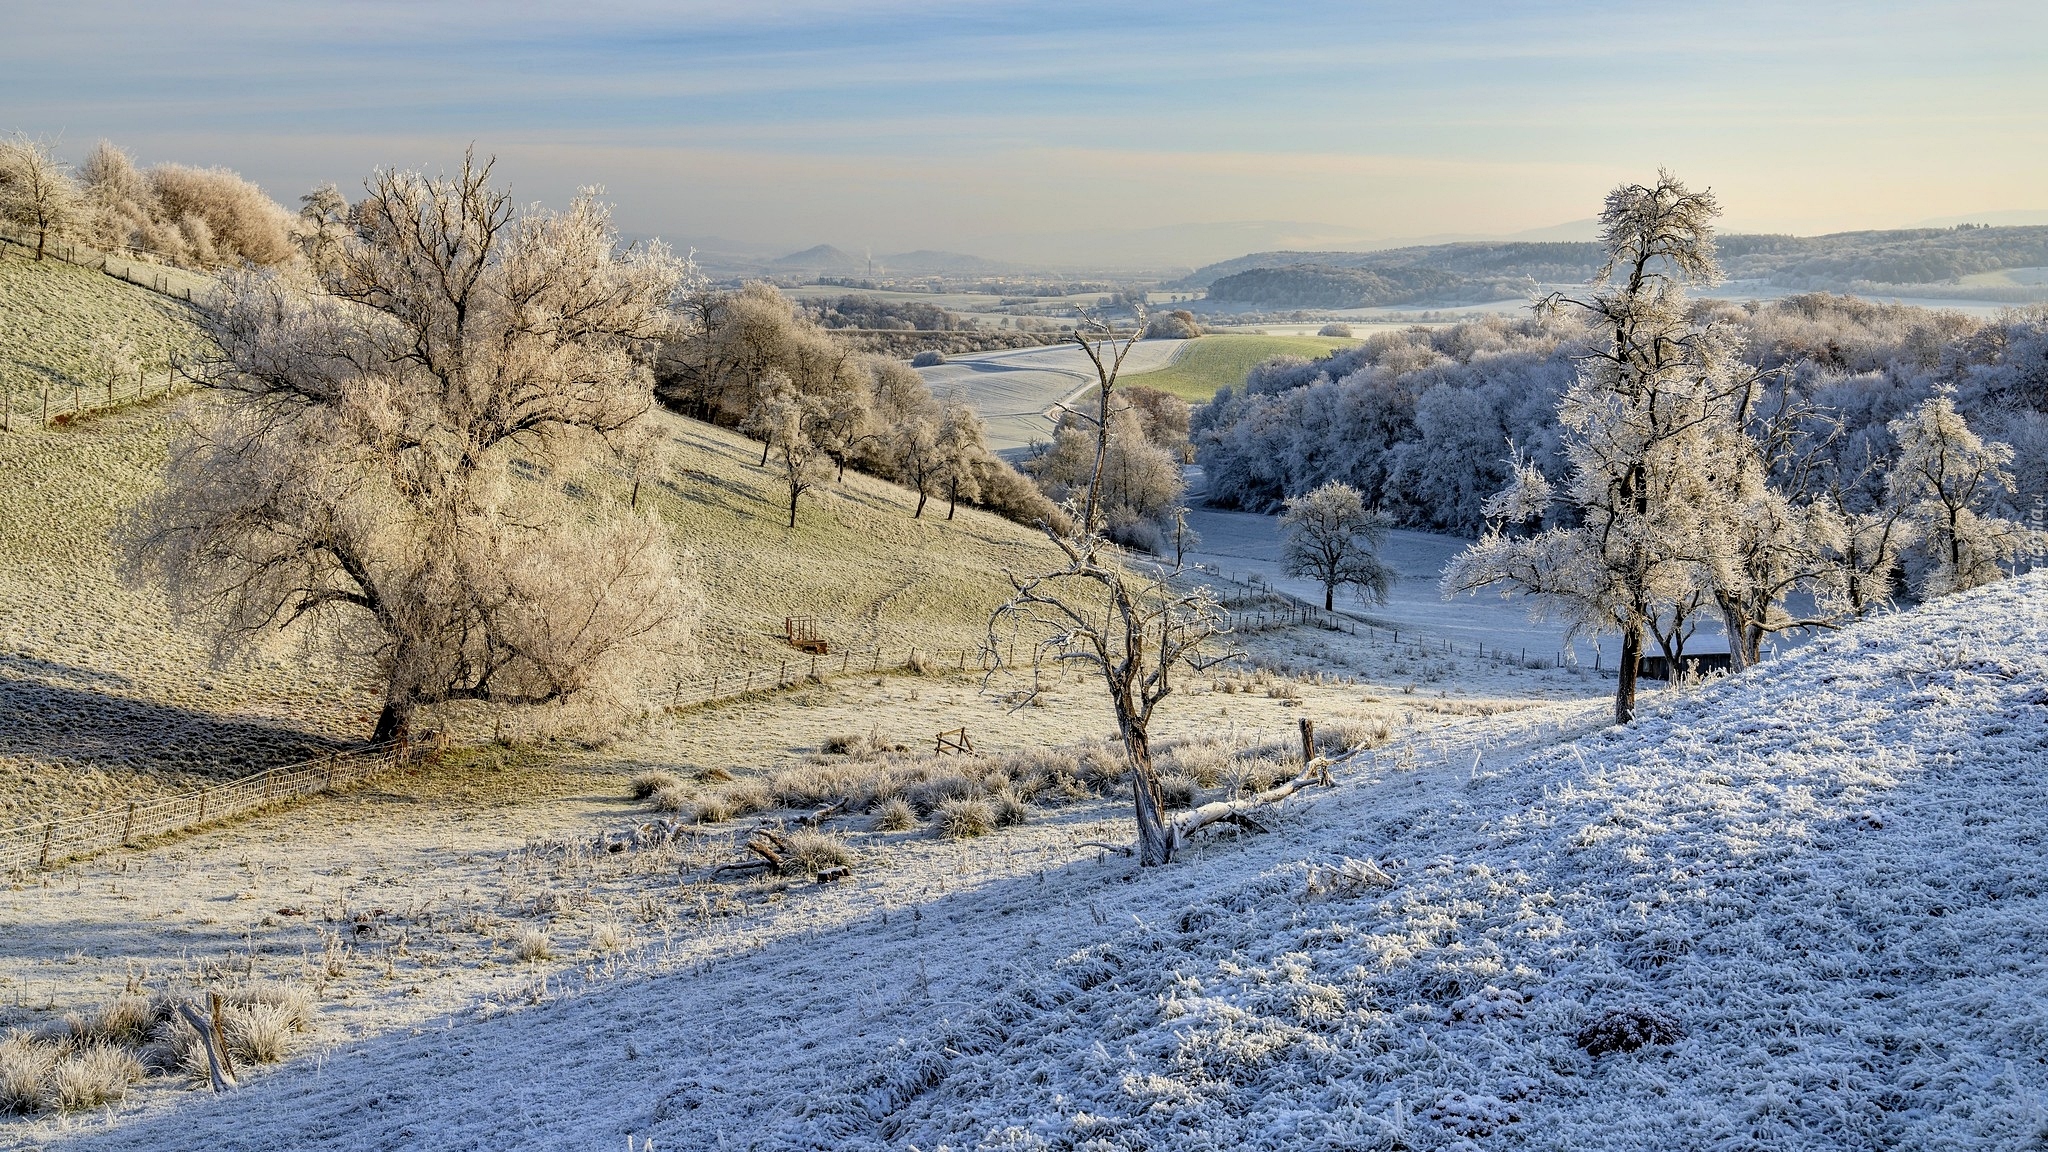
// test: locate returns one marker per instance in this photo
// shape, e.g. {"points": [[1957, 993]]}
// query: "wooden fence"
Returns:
{"points": [[53, 841]]}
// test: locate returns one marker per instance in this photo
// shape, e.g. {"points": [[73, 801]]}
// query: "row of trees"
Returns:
{"points": [[1699, 485], [749, 359], [200, 217]]}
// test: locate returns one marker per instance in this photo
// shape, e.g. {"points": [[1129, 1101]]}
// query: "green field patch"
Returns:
{"points": [[1210, 362]]}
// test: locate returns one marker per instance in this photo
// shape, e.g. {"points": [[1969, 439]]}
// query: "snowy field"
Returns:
{"points": [[1241, 544], [1812, 894], [1012, 389]]}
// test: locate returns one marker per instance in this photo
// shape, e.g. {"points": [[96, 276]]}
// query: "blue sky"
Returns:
{"points": [[1021, 129]]}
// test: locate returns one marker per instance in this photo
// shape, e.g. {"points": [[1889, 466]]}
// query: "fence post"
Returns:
{"points": [[202, 806], [782, 677], [128, 827], [49, 830]]}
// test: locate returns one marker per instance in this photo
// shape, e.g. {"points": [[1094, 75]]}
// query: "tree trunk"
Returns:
{"points": [[1155, 836], [952, 498], [1329, 597], [765, 444], [41, 235], [1739, 658], [394, 722], [1625, 689], [794, 492], [920, 505]]}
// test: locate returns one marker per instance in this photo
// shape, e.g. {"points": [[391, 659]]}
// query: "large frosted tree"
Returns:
{"points": [[1641, 423], [389, 447]]}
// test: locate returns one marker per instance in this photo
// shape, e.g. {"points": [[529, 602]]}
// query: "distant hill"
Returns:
{"points": [[956, 263], [1920, 261], [820, 258]]}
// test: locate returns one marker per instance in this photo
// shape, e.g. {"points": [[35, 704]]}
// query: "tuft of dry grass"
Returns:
{"points": [[1010, 809], [671, 798], [894, 815], [714, 775], [607, 937], [258, 1033], [1177, 791], [93, 1077], [25, 1066], [646, 784], [124, 1020], [532, 945], [963, 819], [814, 851]]}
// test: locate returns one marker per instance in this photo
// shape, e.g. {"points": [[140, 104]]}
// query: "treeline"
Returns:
{"points": [[1421, 420], [878, 314], [750, 359], [204, 218], [1323, 286]]}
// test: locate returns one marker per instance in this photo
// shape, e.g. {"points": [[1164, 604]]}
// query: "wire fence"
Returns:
{"points": [[130, 265], [56, 840], [55, 409]]}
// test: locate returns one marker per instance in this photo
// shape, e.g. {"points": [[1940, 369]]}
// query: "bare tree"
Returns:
{"points": [[1137, 630], [36, 194], [1331, 537], [387, 452]]}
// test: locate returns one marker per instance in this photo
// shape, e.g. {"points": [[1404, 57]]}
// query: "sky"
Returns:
{"points": [[1057, 132]]}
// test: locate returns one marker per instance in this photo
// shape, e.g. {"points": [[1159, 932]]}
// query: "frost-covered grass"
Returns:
{"points": [[50, 313], [1800, 909]]}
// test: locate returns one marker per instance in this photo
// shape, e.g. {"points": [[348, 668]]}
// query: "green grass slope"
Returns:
{"points": [[1213, 361], [106, 696], [50, 312]]}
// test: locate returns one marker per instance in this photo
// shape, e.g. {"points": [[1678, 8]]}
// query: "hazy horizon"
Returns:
{"points": [[1058, 132]]}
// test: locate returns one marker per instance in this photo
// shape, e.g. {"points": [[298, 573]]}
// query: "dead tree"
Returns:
{"points": [[1134, 626]]}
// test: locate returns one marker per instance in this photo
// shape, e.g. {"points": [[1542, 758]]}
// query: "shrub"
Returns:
{"points": [[533, 945], [24, 1066], [96, 1076], [812, 851], [646, 784], [1335, 329], [1177, 791], [895, 815], [963, 819], [607, 937], [929, 358], [1179, 324]]}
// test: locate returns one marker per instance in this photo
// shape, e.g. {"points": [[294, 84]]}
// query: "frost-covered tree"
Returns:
{"points": [[1331, 537], [388, 450], [962, 442], [920, 462], [1640, 424], [1947, 480], [800, 463], [36, 193]]}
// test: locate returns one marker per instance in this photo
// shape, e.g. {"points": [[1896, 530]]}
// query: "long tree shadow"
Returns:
{"points": [[77, 725]]}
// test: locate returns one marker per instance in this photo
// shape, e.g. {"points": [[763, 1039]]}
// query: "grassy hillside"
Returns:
{"points": [[51, 311], [1213, 361]]}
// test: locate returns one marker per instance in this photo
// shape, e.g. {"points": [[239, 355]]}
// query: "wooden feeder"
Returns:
{"points": [[802, 634]]}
